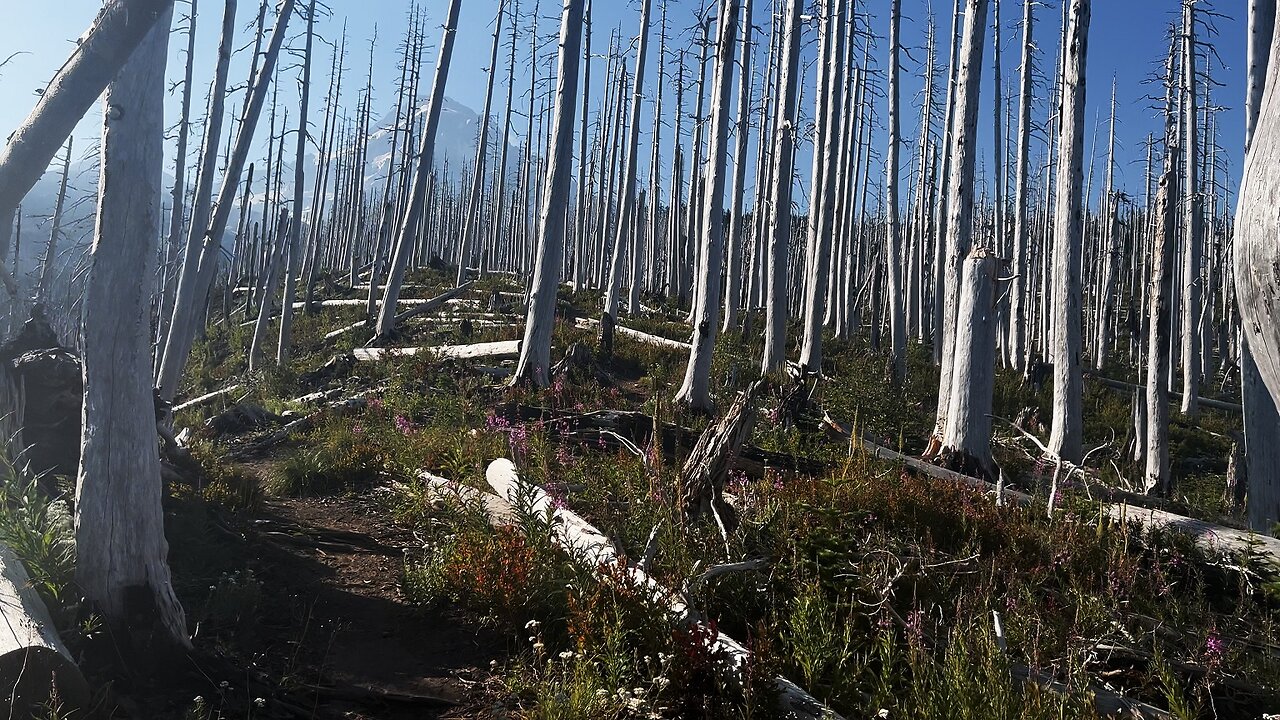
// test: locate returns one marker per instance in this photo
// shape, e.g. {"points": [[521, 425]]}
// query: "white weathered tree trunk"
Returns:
{"points": [[120, 544], [407, 233], [1192, 221], [186, 307], [466, 244], [1261, 420], [535, 352], [1156, 476], [966, 445], [737, 219], [773, 360], [294, 248], [960, 195], [696, 390], [50, 259], [1021, 222], [627, 193], [893, 228], [1067, 437], [178, 196]]}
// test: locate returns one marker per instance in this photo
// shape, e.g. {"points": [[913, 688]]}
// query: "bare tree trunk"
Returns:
{"points": [[186, 306], [1261, 420], [737, 219], [120, 545], [418, 194], [1067, 437], [893, 241], [696, 390], [1021, 222], [966, 446], [626, 197], [959, 224], [469, 227], [177, 208], [1156, 477], [535, 352], [774, 358], [294, 247], [1192, 224], [50, 259]]}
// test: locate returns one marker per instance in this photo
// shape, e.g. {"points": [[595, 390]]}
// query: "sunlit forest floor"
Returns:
{"points": [[347, 568]]}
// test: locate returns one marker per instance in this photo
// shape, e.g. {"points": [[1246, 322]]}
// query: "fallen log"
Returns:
{"points": [[1209, 537], [1204, 401], [506, 349], [207, 397], [35, 667], [593, 550], [656, 340], [435, 302]]}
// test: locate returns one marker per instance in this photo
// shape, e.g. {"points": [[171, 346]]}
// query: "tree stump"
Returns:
{"points": [[703, 475]]}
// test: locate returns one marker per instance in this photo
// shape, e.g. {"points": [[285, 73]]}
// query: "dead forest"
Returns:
{"points": [[733, 359]]}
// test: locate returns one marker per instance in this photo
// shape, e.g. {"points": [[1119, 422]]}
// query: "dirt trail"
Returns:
{"points": [[344, 636]]}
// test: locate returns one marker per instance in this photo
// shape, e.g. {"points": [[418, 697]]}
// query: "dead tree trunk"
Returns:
{"points": [[966, 446], [1067, 436], [407, 234], [294, 246], [121, 553], [774, 358], [535, 352], [696, 390]]}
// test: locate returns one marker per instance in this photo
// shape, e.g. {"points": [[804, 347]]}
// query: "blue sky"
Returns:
{"points": [[1128, 40]]}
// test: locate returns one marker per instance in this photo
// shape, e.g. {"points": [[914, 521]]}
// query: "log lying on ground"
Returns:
{"points": [[1204, 401], [1211, 538], [35, 666], [208, 397], [435, 303], [657, 340], [505, 349], [593, 550], [306, 422]]}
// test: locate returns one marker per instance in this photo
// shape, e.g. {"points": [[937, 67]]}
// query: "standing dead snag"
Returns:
{"points": [[535, 352], [121, 553], [779, 209], [966, 446], [696, 390], [1067, 436], [703, 475], [959, 225]]}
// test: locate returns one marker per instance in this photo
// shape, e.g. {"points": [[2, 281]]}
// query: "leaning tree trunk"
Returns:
{"points": [[696, 390], [959, 224], [774, 357], [535, 352], [51, 249], [99, 54], [186, 307], [121, 553], [407, 234], [1067, 437]]}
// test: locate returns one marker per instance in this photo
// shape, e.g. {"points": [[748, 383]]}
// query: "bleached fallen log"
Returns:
{"points": [[35, 666], [1209, 537], [435, 302], [506, 349], [657, 340], [593, 549], [207, 397]]}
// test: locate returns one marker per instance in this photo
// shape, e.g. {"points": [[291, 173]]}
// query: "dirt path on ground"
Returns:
{"points": [[343, 635]]}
